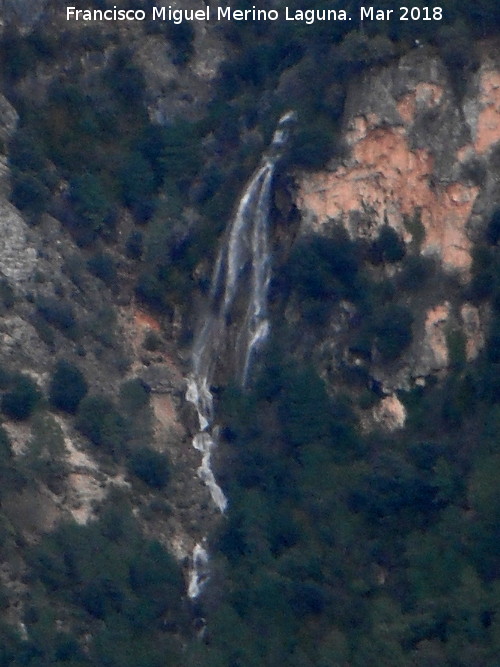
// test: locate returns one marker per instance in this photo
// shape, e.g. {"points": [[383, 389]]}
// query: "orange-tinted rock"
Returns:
{"points": [[465, 152], [401, 159], [428, 94], [390, 413], [435, 334], [425, 95], [146, 321], [165, 412], [386, 182], [406, 107], [488, 122]]}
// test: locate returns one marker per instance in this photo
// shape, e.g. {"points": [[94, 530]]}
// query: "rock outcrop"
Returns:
{"points": [[423, 159], [416, 155]]}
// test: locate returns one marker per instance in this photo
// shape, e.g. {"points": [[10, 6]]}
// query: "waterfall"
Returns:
{"points": [[198, 571], [235, 323]]}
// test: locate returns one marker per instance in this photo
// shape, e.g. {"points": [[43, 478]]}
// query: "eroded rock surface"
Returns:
{"points": [[390, 413], [434, 342], [473, 331], [415, 155]]}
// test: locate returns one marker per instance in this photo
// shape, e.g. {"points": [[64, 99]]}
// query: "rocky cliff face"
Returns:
{"points": [[418, 158], [414, 149], [423, 159], [42, 265]]}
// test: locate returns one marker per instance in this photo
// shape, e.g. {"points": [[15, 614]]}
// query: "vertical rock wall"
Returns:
{"points": [[414, 151]]}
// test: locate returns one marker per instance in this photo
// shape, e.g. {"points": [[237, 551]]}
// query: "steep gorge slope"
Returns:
{"points": [[124, 184], [55, 307], [420, 159]]}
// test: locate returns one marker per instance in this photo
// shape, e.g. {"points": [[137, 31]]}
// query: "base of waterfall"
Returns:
{"points": [[198, 393]]}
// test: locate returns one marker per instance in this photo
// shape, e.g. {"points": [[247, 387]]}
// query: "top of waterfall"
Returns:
{"points": [[288, 117], [282, 130]]}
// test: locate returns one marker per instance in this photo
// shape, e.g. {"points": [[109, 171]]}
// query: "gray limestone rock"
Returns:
{"points": [[158, 378], [17, 256], [8, 119]]}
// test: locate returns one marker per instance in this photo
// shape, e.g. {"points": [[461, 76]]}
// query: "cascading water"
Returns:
{"points": [[235, 324], [198, 571]]}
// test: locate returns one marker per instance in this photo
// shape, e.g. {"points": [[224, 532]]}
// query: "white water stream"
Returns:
{"points": [[240, 284], [199, 571]]}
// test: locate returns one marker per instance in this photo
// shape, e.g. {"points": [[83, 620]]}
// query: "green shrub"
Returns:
{"points": [[125, 79], [134, 246], [44, 458], [132, 584], [311, 148], [102, 326], [493, 228], [181, 155], [458, 48], [354, 53], [67, 387], [150, 290], [5, 447], [182, 37], [456, 343], [137, 181], [99, 420], [481, 287], [7, 296], [388, 247], [60, 314], [152, 341], [483, 283], [460, 396], [474, 171], [393, 491], [134, 395], [92, 205], [150, 467], [26, 152], [47, 439], [413, 224], [393, 331], [45, 331], [74, 268], [415, 273], [18, 56], [21, 400], [493, 342], [322, 267], [151, 144], [305, 409], [29, 194], [102, 266], [6, 377]]}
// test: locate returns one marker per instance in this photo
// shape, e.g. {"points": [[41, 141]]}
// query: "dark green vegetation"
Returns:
{"points": [[321, 272], [21, 399], [150, 467], [68, 387], [338, 549], [349, 549], [107, 577]]}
